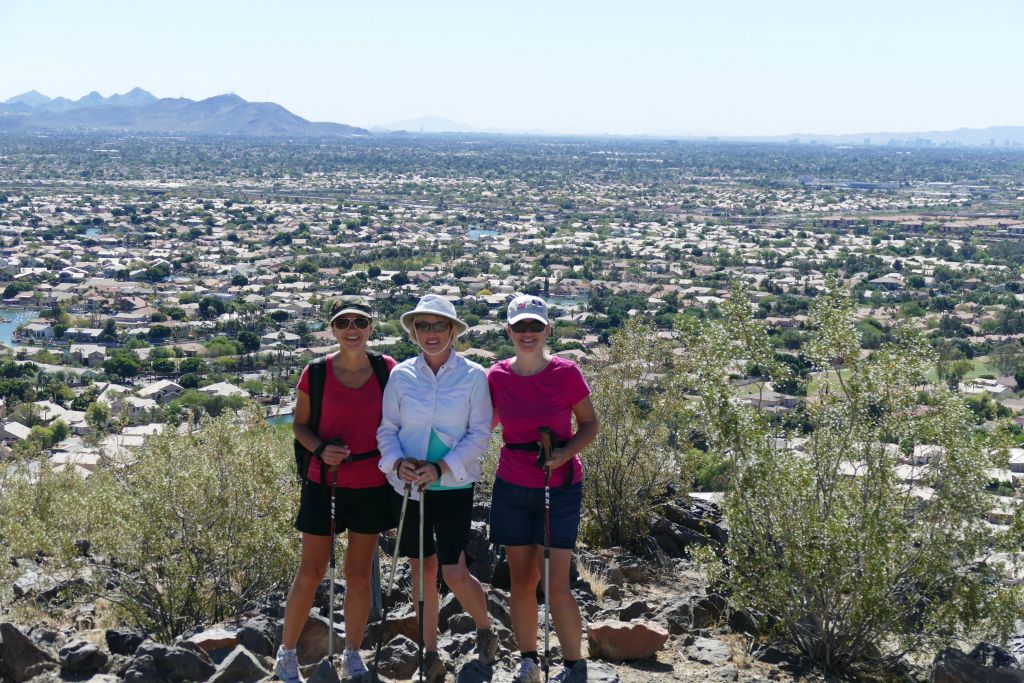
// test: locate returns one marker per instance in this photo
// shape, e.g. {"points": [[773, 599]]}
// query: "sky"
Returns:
{"points": [[625, 67]]}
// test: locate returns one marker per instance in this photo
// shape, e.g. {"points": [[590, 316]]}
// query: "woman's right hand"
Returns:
{"points": [[334, 455], [407, 470]]}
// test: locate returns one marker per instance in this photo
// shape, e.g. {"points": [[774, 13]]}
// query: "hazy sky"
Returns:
{"points": [[594, 66]]}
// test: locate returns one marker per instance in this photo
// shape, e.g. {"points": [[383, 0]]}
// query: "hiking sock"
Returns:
{"points": [[570, 663], [532, 654]]}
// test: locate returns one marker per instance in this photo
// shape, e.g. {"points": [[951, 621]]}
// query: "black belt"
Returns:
{"points": [[535, 447], [356, 457]]}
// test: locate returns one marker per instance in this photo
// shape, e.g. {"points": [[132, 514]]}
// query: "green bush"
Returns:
{"points": [[638, 449], [851, 565], [190, 530]]}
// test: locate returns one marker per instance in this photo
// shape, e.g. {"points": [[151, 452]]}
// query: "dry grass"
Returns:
{"points": [[595, 578]]}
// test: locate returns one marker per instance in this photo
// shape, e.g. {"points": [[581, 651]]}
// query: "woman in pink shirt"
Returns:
{"points": [[531, 391]]}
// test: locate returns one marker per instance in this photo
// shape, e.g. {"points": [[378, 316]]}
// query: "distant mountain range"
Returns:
{"points": [[139, 111]]}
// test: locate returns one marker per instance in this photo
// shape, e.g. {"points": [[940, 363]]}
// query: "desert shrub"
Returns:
{"points": [[638, 449], [853, 563], [190, 527]]}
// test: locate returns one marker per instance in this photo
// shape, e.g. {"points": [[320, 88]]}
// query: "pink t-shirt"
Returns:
{"points": [[524, 405], [353, 416]]}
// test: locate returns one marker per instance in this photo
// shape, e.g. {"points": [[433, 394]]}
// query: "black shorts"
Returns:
{"points": [[447, 514], [364, 511]]}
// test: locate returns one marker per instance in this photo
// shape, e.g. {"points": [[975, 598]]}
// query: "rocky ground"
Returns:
{"points": [[649, 618]]}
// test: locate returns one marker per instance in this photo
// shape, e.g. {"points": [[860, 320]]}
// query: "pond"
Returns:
{"points": [[10, 318], [476, 234]]}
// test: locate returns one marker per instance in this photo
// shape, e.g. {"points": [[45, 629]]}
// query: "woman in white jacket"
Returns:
{"points": [[434, 430]]}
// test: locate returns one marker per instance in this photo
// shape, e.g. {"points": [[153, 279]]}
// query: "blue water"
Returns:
{"points": [[16, 317], [280, 419], [92, 232], [476, 234], [564, 301]]}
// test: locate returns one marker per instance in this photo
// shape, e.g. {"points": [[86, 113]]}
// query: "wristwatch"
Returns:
{"points": [[320, 450], [438, 468]]}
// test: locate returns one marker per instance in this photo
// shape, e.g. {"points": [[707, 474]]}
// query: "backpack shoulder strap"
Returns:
{"points": [[380, 368], [317, 378]]}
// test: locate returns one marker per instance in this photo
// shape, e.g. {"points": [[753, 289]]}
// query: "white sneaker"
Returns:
{"points": [[286, 666], [352, 664], [527, 672]]}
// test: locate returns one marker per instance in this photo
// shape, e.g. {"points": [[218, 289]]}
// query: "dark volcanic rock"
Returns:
{"points": [[399, 658], [123, 642], [953, 666], [82, 657], [241, 666], [21, 658]]}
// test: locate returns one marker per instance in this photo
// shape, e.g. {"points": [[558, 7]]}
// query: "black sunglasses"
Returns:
{"points": [[345, 323], [432, 327], [528, 326]]}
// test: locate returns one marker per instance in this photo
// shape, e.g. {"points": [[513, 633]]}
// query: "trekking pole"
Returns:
{"points": [[334, 564], [391, 579], [545, 456], [423, 496]]}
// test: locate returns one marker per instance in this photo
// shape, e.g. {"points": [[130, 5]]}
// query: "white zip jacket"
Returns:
{"points": [[455, 403]]}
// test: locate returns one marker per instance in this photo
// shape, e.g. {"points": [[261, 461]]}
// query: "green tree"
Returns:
{"points": [[203, 528], [122, 365], [853, 567], [638, 448]]}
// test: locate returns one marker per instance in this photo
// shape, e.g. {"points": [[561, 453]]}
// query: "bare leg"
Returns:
{"points": [[468, 591], [524, 567], [430, 599], [358, 566], [316, 551], [565, 613]]}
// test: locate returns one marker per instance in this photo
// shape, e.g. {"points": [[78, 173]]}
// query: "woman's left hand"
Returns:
{"points": [[426, 474], [559, 456]]}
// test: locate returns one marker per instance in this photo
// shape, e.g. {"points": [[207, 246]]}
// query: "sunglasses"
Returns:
{"points": [[528, 326], [345, 323], [432, 327]]}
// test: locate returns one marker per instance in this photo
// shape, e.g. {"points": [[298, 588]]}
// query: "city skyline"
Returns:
{"points": [[658, 69]]}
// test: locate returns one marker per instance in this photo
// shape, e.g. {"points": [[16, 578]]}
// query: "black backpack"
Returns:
{"points": [[317, 376]]}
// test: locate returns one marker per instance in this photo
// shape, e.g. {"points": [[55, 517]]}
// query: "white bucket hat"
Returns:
{"points": [[433, 304]]}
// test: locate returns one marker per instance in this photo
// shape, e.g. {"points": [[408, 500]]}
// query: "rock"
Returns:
{"points": [[953, 666], [123, 642], [634, 610], [155, 662], [990, 655], [257, 636], [613, 592], [215, 639], [448, 608], [399, 658], [709, 651], [241, 666], [481, 559], [475, 671], [143, 670], [741, 621], [313, 641], [707, 610], [621, 641], [461, 623], [403, 623], [82, 657], [497, 607], [20, 657], [325, 672], [600, 672]]}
